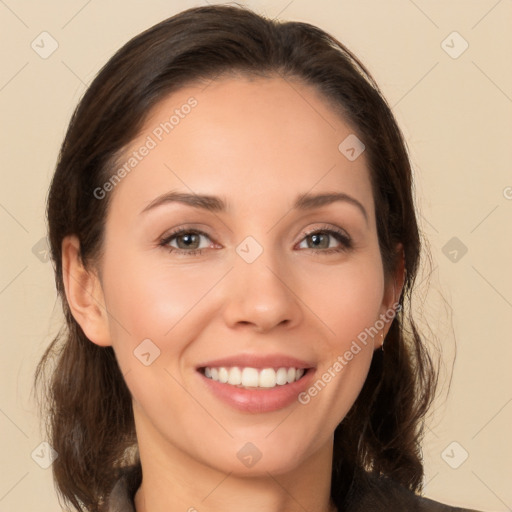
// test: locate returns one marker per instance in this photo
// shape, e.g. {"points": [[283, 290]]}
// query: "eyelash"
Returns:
{"points": [[340, 236], [165, 241]]}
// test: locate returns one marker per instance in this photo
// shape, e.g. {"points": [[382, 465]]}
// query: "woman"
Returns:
{"points": [[235, 245]]}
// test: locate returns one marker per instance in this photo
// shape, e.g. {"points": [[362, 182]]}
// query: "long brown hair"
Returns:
{"points": [[89, 412]]}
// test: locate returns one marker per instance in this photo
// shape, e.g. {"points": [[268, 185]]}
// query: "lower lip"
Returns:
{"points": [[261, 399]]}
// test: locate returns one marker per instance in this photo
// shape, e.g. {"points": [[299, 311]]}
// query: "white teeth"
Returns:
{"points": [[281, 376], [267, 378], [252, 377], [235, 376], [223, 375]]}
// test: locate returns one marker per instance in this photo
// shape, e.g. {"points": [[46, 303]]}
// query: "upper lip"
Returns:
{"points": [[258, 361]]}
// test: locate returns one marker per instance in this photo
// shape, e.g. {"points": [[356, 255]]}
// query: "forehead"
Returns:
{"points": [[251, 140]]}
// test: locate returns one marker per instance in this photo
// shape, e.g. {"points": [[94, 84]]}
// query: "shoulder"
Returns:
{"points": [[381, 494]]}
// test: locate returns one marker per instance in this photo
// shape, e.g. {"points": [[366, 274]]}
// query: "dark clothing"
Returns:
{"points": [[383, 495]]}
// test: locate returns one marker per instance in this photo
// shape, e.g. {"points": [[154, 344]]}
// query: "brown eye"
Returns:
{"points": [[319, 240], [185, 241], [327, 240], [188, 241]]}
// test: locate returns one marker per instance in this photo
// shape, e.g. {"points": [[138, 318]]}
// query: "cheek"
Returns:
{"points": [[347, 299], [150, 299]]}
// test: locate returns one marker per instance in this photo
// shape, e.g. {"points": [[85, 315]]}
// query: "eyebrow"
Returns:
{"points": [[216, 204]]}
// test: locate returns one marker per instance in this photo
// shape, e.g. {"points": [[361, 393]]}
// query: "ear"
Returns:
{"points": [[392, 291], [84, 294]]}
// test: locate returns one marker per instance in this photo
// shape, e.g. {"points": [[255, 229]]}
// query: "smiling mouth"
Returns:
{"points": [[254, 378]]}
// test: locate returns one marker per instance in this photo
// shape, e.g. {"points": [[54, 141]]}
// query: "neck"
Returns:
{"points": [[172, 480], [227, 494]]}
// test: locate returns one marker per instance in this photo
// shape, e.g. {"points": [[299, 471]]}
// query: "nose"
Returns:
{"points": [[261, 295]]}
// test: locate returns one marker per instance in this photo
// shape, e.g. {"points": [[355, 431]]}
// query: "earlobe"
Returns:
{"points": [[84, 294]]}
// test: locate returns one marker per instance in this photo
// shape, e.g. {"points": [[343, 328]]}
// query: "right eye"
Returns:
{"points": [[188, 241]]}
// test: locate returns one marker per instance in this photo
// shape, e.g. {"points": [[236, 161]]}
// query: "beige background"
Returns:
{"points": [[456, 115]]}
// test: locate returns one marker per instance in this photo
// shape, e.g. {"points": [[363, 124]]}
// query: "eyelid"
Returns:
{"points": [[182, 229], [340, 234], [326, 228], [164, 240]]}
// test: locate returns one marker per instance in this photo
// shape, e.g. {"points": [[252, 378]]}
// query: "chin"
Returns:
{"points": [[277, 464], [259, 457]]}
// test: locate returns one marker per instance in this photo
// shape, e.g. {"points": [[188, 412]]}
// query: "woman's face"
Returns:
{"points": [[264, 284]]}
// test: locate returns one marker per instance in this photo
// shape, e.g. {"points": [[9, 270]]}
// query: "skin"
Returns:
{"points": [[257, 144]]}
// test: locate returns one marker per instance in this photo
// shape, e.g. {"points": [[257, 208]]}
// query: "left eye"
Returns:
{"points": [[322, 240]]}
